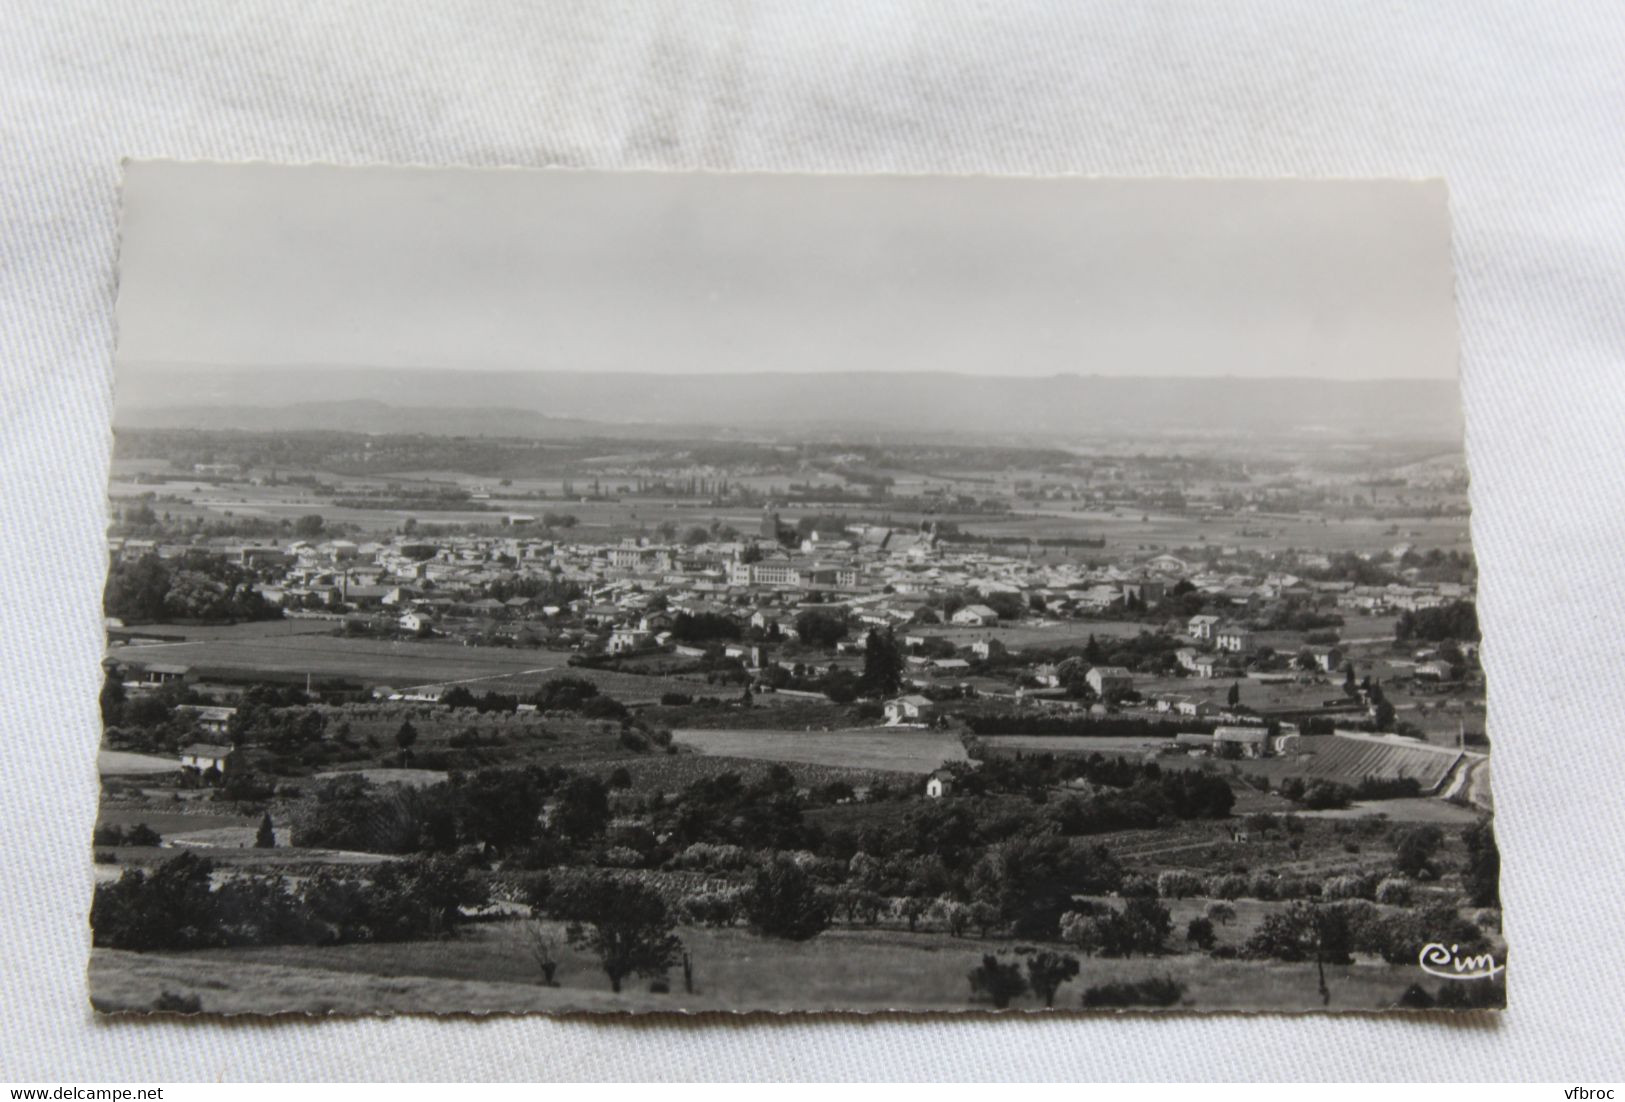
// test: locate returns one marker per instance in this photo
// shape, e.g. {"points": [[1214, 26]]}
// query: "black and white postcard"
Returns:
{"points": [[560, 591]]}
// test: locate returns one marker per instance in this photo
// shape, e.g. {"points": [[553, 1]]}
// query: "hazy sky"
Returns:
{"points": [[563, 270]]}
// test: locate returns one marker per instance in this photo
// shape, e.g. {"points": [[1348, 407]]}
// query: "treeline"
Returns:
{"points": [[1457, 620], [196, 586]]}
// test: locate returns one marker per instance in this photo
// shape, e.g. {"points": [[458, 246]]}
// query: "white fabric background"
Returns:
{"points": [[1521, 106]]}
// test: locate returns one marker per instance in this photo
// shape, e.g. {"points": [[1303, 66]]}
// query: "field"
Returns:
{"points": [[888, 749], [116, 763], [1051, 633], [486, 971], [1068, 744], [396, 664], [253, 629], [1125, 531]]}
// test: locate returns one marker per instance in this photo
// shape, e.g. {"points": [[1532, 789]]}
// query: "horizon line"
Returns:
{"points": [[521, 371]]}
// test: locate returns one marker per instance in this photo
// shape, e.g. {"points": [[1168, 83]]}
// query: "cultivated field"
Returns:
{"points": [[400, 665], [1050, 633], [898, 750]]}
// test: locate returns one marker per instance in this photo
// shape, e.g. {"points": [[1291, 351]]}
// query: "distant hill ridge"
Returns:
{"points": [[574, 404]]}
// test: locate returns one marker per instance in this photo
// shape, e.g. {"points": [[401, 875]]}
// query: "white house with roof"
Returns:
{"points": [[976, 616], [912, 708], [204, 756], [1201, 627]]}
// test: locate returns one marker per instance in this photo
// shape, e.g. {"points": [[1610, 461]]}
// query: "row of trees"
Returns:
{"points": [[180, 905]]}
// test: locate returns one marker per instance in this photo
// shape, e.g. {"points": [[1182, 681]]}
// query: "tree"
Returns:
{"points": [[1142, 927], [1234, 696], [1030, 881], [405, 736], [625, 924], [458, 696], [841, 686], [882, 665], [499, 808], [1200, 934], [112, 699], [582, 810], [785, 903], [266, 837], [818, 628], [996, 981], [1222, 913], [1047, 971], [309, 526], [1307, 931], [543, 947]]}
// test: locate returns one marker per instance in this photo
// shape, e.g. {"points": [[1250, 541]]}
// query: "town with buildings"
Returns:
{"points": [[804, 694]]}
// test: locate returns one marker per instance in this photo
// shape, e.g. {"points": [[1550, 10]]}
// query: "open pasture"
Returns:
{"points": [[486, 970], [119, 763]]}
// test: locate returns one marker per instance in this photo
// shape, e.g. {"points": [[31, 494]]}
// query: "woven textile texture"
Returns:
{"points": [[1518, 105]]}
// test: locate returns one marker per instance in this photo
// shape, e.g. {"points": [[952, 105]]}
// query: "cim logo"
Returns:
{"points": [[1448, 963]]}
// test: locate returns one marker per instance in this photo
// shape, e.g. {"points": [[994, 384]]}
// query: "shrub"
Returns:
{"points": [[1178, 884], [1394, 890], [1139, 887], [1231, 886], [1297, 887], [1414, 851], [954, 915], [1351, 886], [1165, 991], [1415, 997], [719, 908], [713, 857], [621, 857], [142, 835], [169, 1002], [1484, 994]]}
